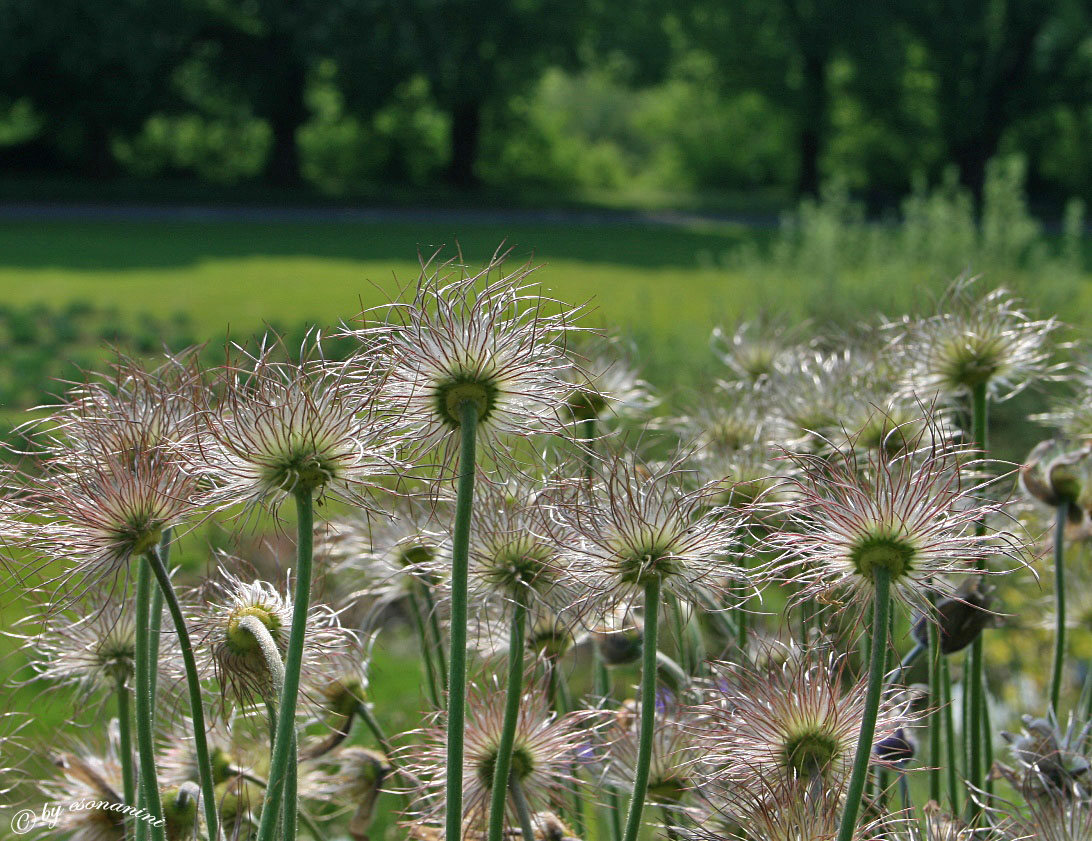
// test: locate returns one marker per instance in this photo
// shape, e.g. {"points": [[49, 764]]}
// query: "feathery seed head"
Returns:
{"points": [[475, 341], [305, 427], [636, 524], [977, 340], [913, 515], [546, 747]]}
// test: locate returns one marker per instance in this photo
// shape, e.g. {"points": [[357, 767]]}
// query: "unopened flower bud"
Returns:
{"points": [[1055, 475], [180, 812], [895, 749], [960, 619], [620, 648]]}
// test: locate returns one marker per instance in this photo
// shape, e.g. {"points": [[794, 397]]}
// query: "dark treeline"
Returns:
{"points": [[645, 95]]}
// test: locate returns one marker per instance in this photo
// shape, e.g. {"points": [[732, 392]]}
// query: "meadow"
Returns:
{"points": [[70, 289]]}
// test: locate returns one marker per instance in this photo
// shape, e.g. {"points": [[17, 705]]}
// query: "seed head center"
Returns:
{"points": [[890, 553]]}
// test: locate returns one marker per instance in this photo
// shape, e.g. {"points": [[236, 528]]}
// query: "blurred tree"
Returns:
{"points": [[268, 50], [996, 62], [785, 49], [93, 69], [477, 53]]}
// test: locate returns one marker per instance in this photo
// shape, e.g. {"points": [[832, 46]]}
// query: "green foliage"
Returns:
{"points": [[888, 266]]}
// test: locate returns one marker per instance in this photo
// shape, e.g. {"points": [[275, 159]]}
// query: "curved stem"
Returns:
{"points": [[514, 694], [155, 626], [193, 684], [911, 657], [648, 710], [125, 724], [143, 699], [460, 553], [877, 659], [426, 651], [286, 715], [437, 635], [1059, 608]]}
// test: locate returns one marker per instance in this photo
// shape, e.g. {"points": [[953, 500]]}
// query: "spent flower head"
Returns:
{"points": [[547, 745], [282, 428], [797, 720], [90, 644], [636, 524], [976, 340], [477, 343], [913, 515], [105, 512], [231, 644]]}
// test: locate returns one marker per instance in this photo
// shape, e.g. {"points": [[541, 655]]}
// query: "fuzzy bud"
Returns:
{"points": [[180, 812], [895, 749], [960, 619], [1055, 476], [620, 648]]}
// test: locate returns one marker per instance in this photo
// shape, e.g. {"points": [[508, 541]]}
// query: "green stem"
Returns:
{"points": [[125, 724], [503, 761], [286, 714], [193, 684], [949, 735], [143, 699], [669, 824], [648, 709], [1059, 608], [155, 625], [877, 663], [373, 726], [523, 810], [437, 636], [977, 680], [291, 806], [602, 691], [460, 554], [935, 704], [426, 652]]}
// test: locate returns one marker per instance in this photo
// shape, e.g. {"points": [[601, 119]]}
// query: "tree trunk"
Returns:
{"points": [[813, 124], [98, 159], [466, 119], [288, 111]]}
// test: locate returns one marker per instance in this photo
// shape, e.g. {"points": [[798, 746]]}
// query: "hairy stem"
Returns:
{"points": [[143, 700], [1059, 608], [936, 702], [877, 660], [460, 553], [426, 651], [648, 710], [513, 696], [602, 691], [523, 810], [125, 725], [286, 714], [155, 625], [949, 735], [193, 684], [976, 688]]}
